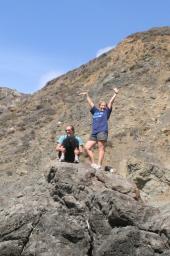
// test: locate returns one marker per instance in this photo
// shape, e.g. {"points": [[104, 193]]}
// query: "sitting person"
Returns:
{"points": [[69, 146]]}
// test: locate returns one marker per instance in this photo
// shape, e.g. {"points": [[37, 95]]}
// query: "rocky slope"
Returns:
{"points": [[139, 125], [138, 148]]}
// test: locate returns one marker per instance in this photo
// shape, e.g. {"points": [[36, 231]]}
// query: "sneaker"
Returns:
{"points": [[96, 166], [76, 160], [62, 157], [93, 165], [61, 160]]}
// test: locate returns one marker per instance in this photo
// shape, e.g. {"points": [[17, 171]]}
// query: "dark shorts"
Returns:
{"points": [[100, 136]]}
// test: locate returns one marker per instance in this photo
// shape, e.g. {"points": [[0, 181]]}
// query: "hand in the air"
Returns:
{"points": [[83, 93], [116, 90]]}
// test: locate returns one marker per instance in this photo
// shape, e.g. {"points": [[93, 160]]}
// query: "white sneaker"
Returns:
{"points": [[76, 160], [96, 166], [62, 157]]}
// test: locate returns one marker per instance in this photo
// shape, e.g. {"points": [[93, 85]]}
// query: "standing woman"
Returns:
{"points": [[99, 133]]}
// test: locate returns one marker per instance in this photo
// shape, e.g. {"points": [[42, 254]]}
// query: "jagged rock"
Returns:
{"points": [[71, 213], [152, 179]]}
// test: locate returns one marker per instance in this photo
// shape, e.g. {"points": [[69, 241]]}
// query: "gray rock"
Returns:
{"points": [[75, 211]]}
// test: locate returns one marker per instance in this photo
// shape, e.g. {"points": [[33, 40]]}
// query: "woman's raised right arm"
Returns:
{"points": [[89, 100]]}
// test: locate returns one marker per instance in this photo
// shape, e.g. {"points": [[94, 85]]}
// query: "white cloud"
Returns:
{"points": [[103, 50], [48, 76]]}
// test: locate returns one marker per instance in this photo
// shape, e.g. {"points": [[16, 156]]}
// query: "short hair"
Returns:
{"points": [[72, 127]]}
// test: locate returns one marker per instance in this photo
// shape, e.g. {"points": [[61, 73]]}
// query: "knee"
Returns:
{"points": [[101, 147], [62, 149], [102, 150], [87, 147]]}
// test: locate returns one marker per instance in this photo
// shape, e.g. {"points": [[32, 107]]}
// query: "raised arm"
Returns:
{"points": [[89, 100], [113, 98]]}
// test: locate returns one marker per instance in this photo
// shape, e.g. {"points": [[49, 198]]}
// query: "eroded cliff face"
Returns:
{"points": [[138, 146], [70, 209]]}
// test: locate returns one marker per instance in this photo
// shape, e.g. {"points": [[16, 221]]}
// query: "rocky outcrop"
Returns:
{"points": [[139, 124], [73, 207], [152, 179], [73, 210]]}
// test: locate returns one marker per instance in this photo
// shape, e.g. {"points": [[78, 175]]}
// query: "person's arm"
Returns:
{"points": [[59, 146], [81, 145], [113, 98], [89, 100], [81, 149]]}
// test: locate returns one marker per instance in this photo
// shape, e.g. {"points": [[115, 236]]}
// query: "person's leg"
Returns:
{"points": [[74, 148], [101, 147], [101, 141], [69, 151], [76, 153], [71, 145], [62, 154], [88, 148]]}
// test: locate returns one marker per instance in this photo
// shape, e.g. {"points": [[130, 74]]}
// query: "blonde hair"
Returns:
{"points": [[102, 101]]}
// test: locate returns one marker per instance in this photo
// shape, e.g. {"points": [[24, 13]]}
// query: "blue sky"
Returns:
{"points": [[41, 39]]}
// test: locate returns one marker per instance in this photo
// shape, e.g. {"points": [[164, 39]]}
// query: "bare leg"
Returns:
{"points": [[76, 153], [63, 151], [88, 148], [101, 146]]}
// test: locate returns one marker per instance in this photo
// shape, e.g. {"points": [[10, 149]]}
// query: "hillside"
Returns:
{"points": [[43, 203], [140, 122]]}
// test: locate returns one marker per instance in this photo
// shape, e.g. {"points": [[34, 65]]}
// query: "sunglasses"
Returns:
{"points": [[68, 130]]}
